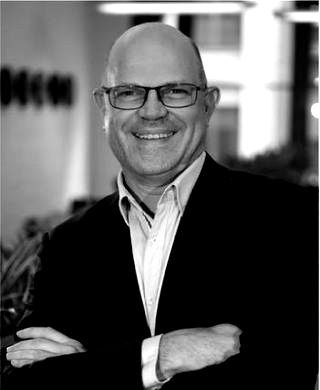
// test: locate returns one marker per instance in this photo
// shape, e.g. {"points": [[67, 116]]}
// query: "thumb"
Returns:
{"points": [[43, 332], [227, 330]]}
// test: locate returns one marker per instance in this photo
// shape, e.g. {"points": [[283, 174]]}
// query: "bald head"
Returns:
{"points": [[149, 41]]}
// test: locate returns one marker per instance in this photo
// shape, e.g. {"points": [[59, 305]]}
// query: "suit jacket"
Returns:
{"points": [[245, 253]]}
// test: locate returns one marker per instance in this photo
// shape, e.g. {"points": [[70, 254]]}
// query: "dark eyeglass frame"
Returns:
{"points": [[108, 91]]}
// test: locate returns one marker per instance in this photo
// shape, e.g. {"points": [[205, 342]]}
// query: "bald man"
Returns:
{"points": [[153, 286]]}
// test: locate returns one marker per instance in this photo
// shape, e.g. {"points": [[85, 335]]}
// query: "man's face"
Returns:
{"points": [[154, 142]]}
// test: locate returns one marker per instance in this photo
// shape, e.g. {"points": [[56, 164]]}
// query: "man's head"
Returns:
{"points": [[154, 142]]}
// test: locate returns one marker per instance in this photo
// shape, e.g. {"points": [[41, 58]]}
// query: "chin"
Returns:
{"points": [[168, 168]]}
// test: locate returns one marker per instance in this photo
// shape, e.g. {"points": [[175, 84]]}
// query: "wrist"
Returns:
{"points": [[161, 377], [150, 355], [166, 365]]}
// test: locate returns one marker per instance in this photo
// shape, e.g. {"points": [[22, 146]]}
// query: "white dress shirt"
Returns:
{"points": [[152, 240]]}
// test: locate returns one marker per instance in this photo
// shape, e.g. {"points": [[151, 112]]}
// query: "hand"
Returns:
{"points": [[41, 343], [193, 349]]}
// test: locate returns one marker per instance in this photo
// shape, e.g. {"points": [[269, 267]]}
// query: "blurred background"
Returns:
{"points": [[54, 157]]}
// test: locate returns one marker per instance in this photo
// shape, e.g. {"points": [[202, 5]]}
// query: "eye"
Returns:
{"points": [[177, 92], [125, 92]]}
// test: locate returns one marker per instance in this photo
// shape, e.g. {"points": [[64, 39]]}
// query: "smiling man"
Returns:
{"points": [[156, 133], [157, 284]]}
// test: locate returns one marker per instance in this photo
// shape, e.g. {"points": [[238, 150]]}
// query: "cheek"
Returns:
{"points": [[113, 124], [114, 135], [197, 130], [117, 136], [197, 122]]}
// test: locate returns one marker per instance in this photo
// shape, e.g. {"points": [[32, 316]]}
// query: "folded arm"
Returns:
{"points": [[179, 351]]}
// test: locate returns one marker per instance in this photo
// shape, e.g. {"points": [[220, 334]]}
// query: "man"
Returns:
{"points": [[158, 284]]}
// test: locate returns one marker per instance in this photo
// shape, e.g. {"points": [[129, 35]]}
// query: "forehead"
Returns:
{"points": [[154, 60]]}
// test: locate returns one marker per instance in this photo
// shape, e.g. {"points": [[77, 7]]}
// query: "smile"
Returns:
{"points": [[154, 136]]}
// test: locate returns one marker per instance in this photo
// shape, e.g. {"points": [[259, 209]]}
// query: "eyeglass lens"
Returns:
{"points": [[173, 95]]}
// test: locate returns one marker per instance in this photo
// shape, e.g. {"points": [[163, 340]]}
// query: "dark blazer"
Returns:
{"points": [[245, 254]]}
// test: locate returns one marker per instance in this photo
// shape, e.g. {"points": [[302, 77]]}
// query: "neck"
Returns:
{"points": [[148, 189], [147, 193]]}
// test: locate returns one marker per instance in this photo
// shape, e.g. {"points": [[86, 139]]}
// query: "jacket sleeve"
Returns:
{"points": [[95, 369], [60, 303]]}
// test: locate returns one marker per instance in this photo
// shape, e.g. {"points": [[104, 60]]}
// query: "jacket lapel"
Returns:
{"points": [[197, 268], [117, 275]]}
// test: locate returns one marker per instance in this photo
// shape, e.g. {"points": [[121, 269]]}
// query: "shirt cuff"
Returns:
{"points": [[150, 351]]}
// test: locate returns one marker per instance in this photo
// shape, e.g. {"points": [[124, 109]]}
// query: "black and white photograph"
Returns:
{"points": [[159, 195]]}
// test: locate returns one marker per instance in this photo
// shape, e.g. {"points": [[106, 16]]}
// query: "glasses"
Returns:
{"points": [[131, 96]]}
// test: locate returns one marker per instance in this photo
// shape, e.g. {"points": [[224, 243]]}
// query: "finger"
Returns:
{"points": [[42, 344], [76, 344], [43, 332], [20, 363], [50, 334], [29, 354]]}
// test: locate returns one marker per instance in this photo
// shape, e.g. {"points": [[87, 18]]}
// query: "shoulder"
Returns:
{"points": [[256, 194], [249, 183], [78, 236], [89, 218]]}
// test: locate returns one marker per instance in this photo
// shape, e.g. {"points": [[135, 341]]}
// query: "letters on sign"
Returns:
{"points": [[24, 87]]}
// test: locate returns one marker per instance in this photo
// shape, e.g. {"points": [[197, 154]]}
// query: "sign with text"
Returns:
{"points": [[26, 87]]}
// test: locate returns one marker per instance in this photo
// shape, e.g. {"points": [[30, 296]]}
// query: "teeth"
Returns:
{"points": [[154, 136]]}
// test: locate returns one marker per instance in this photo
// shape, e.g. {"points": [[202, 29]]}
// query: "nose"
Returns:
{"points": [[152, 108]]}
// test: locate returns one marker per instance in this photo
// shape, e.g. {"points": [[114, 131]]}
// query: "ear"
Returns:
{"points": [[212, 98], [101, 102]]}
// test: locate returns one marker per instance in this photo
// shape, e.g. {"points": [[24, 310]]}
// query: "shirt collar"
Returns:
{"points": [[181, 186]]}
